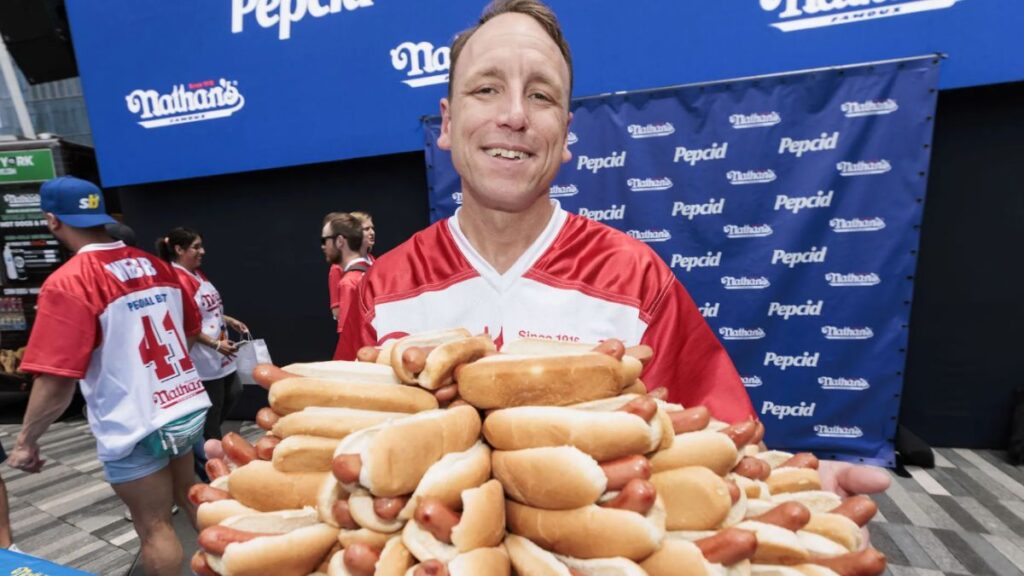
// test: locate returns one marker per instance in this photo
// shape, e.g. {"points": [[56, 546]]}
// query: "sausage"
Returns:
{"points": [[266, 418], [753, 468], [346, 468], [266, 374], [203, 493], [199, 565], [388, 508], [367, 354], [431, 568], [238, 449], [414, 358], [446, 394], [361, 559], [265, 447], [437, 518], [621, 470], [861, 509], [867, 562], [802, 460], [637, 496], [642, 406], [342, 515], [690, 420], [734, 491], [791, 515], [728, 547], [641, 352], [659, 393], [758, 434], [215, 468], [741, 433], [612, 347], [216, 538]]}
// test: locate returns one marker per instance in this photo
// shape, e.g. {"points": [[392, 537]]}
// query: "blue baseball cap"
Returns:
{"points": [[74, 201]]}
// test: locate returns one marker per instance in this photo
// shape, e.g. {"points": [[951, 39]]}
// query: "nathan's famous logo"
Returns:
{"points": [[801, 147], [755, 120], [709, 310], [649, 184], [847, 333], [662, 235], [615, 160], [178, 394], [781, 411], [831, 383], [856, 224], [747, 230], [745, 283], [693, 155], [195, 102], [863, 167], [807, 14], [284, 13], [650, 130], [690, 211], [752, 381], [728, 333], [739, 178], [616, 212], [826, 431], [797, 203], [688, 263], [869, 108], [838, 279], [557, 191], [424, 64]]}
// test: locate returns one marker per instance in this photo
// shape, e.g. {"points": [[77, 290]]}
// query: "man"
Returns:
{"points": [[333, 273], [513, 263], [116, 319], [369, 234], [342, 241]]}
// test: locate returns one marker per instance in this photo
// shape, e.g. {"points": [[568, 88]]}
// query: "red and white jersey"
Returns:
{"points": [[209, 363], [116, 318], [333, 277], [580, 281]]}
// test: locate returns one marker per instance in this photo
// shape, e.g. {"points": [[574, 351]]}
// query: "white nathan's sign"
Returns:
{"points": [[424, 64], [807, 14], [194, 102]]}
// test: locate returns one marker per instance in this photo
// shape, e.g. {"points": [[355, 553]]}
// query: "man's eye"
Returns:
{"points": [[540, 96], [486, 90]]}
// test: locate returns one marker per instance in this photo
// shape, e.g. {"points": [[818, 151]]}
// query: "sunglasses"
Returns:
{"points": [[325, 239]]}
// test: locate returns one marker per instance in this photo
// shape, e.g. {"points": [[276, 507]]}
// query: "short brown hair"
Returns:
{"points": [[362, 216], [348, 227], [535, 9], [330, 216]]}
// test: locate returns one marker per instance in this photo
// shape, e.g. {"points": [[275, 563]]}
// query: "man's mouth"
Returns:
{"points": [[506, 153]]}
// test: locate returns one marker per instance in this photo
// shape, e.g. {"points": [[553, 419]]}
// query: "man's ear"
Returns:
{"points": [[566, 153], [444, 141], [52, 222]]}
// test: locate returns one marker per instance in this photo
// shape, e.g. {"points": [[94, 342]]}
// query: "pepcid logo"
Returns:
{"points": [[283, 14], [616, 160], [869, 108], [745, 283], [616, 212], [709, 310], [791, 259], [747, 231], [649, 236], [801, 147], [572, 139], [196, 102], [807, 14], [782, 361], [825, 431], [738, 178], [650, 130], [785, 311], [781, 411], [863, 167], [457, 196], [90, 202], [557, 191], [847, 333], [838, 279], [830, 383], [755, 120], [693, 155], [649, 184], [797, 203], [422, 63], [752, 381], [688, 263], [728, 333], [842, 225], [690, 211]]}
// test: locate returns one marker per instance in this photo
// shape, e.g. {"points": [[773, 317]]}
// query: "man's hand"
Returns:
{"points": [[25, 458], [846, 479], [236, 324]]}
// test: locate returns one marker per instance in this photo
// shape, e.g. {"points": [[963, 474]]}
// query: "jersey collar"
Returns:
{"points": [[96, 247]]}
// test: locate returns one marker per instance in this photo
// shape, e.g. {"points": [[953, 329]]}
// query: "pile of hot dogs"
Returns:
{"points": [[437, 455]]}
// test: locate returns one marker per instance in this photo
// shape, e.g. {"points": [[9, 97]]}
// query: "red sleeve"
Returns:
{"points": [[64, 334], [356, 324], [690, 361], [348, 291], [193, 318], [333, 281]]}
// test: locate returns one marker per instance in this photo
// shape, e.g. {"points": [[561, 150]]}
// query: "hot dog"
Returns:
{"points": [[304, 454], [784, 479], [695, 498], [775, 545], [267, 374], [215, 512], [441, 532], [265, 447], [529, 558], [330, 422], [683, 558], [261, 486], [237, 449], [393, 559], [429, 359], [753, 468], [843, 524], [481, 561], [714, 446], [266, 418]]}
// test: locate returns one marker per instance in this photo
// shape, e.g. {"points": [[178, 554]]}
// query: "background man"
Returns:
{"points": [[343, 242], [116, 319]]}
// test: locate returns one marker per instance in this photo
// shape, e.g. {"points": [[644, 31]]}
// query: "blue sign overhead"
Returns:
{"points": [[790, 209], [200, 87]]}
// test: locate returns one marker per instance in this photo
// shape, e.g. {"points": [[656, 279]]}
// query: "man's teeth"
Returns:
{"points": [[511, 154]]}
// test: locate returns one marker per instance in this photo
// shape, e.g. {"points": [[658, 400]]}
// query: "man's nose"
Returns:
{"points": [[514, 113]]}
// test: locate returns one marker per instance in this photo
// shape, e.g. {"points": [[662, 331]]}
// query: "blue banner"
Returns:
{"points": [[790, 208], [17, 564], [199, 87]]}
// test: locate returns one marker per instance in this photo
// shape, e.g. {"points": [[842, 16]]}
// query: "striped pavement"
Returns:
{"points": [[964, 517]]}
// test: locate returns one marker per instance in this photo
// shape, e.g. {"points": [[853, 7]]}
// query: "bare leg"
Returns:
{"points": [[149, 500], [183, 476], [5, 517]]}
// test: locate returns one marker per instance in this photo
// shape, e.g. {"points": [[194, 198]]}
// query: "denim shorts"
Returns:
{"points": [[139, 464]]}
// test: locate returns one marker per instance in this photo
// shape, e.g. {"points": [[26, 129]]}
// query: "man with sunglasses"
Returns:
{"points": [[341, 239]]}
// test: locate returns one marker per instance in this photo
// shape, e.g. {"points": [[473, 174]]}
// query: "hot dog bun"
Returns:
{"points": [[449, 476], [838, 529], [294, 394], [213, 513], [695, 498], [394, 560], [505, 380], [784, 480], [554, 478], [450, 349], [260, 486], [479, 562], [679, 558], [330, 422], [591, 531], [343, 370], [304, 454], [482, 526], [661, 435], [431, 339], [299, 545], [775, 545], [544, 347], [360, 505], [712, 450], [602, 435]]}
